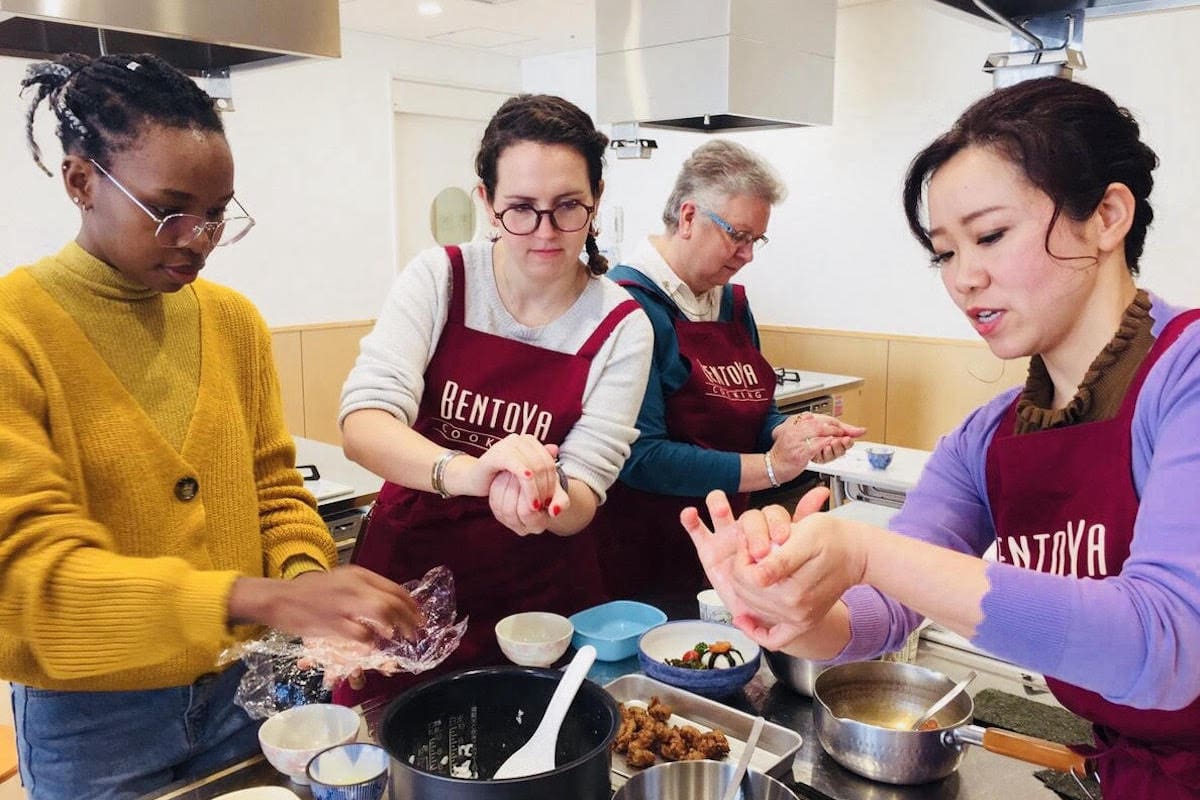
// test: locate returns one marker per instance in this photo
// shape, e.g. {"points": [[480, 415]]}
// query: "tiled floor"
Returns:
{"points": [[11, 788]]}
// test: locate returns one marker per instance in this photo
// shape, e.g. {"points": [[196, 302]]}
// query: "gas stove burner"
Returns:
{"points": [[783, 376]]}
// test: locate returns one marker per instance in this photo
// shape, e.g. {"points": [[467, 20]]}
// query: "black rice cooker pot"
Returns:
{"points": [[449, 736]]}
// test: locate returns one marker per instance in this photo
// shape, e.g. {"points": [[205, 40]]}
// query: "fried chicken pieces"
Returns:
{"points": [[645, 733]]}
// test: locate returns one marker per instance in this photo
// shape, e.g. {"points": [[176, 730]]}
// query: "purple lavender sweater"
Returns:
{"points": [[1134, 637]]}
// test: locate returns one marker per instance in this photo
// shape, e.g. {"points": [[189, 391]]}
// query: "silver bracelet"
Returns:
{"points": [[438, 476], [770, 470]]}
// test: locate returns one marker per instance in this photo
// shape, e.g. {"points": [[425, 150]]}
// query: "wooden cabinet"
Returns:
{"points": [[916, 389], [313, 362]]}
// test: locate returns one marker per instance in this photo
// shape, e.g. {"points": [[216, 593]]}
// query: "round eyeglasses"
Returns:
{"points": [[524, 219], [180, 230]]}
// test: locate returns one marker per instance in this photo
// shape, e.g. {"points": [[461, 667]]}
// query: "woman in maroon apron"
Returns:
{"points": [[520, 390], [1084, 480], [708, 419]]}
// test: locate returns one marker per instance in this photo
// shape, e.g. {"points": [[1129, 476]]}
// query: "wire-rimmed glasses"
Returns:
{"points": [[524, 219], [739, 238], [180, 230]]}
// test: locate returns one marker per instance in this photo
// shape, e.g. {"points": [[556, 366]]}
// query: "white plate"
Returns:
{"points": [[260, 793]]}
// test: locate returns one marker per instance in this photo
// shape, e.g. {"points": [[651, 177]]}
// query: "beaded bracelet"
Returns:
{"points": [[438, 476]]}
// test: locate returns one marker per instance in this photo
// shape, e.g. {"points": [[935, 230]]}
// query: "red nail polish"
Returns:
{"points": [[555, 511], [537, 504], [547, 501], [528, 473]]}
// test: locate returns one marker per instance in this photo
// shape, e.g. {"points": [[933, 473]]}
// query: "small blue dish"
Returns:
{"points": [[880, 457], [613, 628], [673, 639], [354, 771]]}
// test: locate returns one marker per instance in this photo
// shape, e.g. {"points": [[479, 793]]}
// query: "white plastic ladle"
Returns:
{"points": [[537, 755]]}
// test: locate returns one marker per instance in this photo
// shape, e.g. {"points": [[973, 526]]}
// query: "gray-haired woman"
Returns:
{"points": [[708, 419]]}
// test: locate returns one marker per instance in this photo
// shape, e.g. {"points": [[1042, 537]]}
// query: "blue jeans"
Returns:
{"points": [[119, 745]]}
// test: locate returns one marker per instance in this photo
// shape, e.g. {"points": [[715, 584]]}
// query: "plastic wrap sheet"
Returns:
{"points": [[284, 671]]}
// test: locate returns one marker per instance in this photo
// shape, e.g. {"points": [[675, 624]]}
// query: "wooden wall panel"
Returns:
{"points": [[286, 348], [914, 390], [864, 356], [933, 384], [329, 353]]}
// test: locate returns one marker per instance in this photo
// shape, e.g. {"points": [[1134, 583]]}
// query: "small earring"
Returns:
{"points": [[75, 200]]}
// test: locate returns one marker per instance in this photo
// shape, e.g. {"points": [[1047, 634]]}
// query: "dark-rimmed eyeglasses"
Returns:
{"points": [[524, 219], [739, 238], [180, 230]]}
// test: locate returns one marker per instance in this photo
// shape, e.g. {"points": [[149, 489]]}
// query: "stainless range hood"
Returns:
{"points": [[194, 35], [709, 65], [1017, 9], [1047, 35]]}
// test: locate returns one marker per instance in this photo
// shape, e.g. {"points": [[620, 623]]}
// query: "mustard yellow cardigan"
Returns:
{"points": [[117, 550]]}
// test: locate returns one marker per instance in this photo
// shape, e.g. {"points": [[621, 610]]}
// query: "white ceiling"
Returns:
{"points": [[520, 28]]}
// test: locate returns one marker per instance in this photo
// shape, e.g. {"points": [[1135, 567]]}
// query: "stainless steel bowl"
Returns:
{"points": [[798, 674], [707, 779]]}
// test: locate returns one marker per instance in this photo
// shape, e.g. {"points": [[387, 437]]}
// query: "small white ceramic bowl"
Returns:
{"points": [[291, 738], [534, 638], [712, 609]]}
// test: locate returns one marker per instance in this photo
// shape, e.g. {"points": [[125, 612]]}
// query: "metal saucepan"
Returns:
{"points": [[862, 711], [699, 779], [798, 674]]}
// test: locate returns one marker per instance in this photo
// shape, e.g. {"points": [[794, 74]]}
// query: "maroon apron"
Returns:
{"points": [[1077, 481], [644, 550], [480, 387]]}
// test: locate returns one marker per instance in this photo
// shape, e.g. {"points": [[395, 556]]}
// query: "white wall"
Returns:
{"points": [[312, 142], [840, 255]]}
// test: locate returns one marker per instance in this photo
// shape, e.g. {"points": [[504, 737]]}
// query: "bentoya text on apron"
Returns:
{"points": [[479, 388], [644, 549], [1064, 502]]}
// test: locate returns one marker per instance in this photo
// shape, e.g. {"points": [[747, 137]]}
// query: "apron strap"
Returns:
{"points": [[652, 292], [1173, 330], [593, 343], [456, 314]]}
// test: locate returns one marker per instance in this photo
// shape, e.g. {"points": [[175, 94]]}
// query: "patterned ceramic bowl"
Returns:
{"points": [[354, 771], [672, 640], [880, 457]]}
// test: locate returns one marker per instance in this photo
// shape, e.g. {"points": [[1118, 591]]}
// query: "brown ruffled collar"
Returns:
{"points": [[1034, 410]]}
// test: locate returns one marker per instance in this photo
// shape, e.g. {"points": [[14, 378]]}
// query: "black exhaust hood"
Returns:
{"points": [[193, 36], [1019, 9]]}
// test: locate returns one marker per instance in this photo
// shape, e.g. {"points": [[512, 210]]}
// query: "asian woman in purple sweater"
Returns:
{"points": [[1036, 210]]}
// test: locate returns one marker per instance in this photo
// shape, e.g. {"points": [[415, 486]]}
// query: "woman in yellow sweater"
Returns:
{"points": [[150, 511]]}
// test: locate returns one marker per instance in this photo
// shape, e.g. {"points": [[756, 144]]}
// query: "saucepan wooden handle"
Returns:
{"points": [[1036, 751]]}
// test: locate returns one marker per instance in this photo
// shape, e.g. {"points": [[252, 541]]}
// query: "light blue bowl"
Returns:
{"points": [[673, 639], [354, 771], [613, 628]]}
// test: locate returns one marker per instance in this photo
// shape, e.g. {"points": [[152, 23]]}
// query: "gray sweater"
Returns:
{"points": [[390, 371]]}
